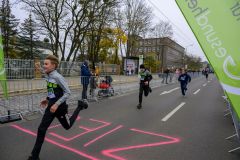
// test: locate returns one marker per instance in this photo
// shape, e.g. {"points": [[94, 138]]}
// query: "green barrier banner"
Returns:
{"points": [[2, 68], [216, 25]]}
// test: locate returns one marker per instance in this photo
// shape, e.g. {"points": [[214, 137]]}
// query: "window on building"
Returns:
{"points": [[145, 42], [140, 49], [158, 41], [149, 41], [153, 49], [141, 43], [158, 49], [149, 49], [154, 41], [145, 49]]}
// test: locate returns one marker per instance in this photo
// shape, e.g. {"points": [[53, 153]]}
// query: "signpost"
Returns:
{"points": [[140, 62]]}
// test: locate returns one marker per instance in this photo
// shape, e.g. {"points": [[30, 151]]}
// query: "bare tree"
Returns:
{"points": [[193, 61], [104, 21], [138, 19], [118, 20], [64, 22], [162, 29]]}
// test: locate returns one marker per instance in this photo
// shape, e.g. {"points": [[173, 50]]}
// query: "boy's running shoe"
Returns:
{"points": [[31, 158], [82, 105], [139, 106], [150, 89]]}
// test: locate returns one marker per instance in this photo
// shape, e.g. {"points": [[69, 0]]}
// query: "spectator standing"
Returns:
{"points": [[127, 71], [132, 71], [85, 76], [166, 73]]}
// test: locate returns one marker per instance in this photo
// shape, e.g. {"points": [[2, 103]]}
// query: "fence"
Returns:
{"points": [[25, 95], [19, 99], [24, 69], [236, 123], [19, 68]]}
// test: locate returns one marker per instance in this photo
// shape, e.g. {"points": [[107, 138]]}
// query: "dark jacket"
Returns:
{"points": [[166, 71], [184, 78], [85, 74], [145, 76], [58, 91]]}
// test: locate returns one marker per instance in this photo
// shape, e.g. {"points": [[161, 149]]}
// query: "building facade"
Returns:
{"points": [[166, 50], [205, 65]]}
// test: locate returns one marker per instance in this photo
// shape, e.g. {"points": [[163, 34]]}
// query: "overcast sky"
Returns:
{"points": [[170, 9]]}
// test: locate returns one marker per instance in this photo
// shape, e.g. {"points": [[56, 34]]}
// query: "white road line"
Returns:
{"points": [[166, 92], [204, 85], [208, 81], [197, 91], [174, 111]]}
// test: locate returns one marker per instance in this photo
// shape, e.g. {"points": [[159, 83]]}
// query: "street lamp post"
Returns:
{"points": [[185, 53]]}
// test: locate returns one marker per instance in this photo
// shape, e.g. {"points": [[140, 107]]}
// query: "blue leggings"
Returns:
{"points": [[183, 88]]}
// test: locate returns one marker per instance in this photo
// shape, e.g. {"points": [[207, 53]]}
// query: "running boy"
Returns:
{"points": [[58, 92], [146, 77], [184, 79]]}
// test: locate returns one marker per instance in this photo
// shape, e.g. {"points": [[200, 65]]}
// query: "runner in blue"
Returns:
{"points": [[184, 79]]}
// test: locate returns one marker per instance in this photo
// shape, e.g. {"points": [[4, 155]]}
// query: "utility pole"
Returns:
{"points": [[185, 54]]}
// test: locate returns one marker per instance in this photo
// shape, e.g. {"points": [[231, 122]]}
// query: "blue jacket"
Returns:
{"points": [[85, 73], [184, 78]]}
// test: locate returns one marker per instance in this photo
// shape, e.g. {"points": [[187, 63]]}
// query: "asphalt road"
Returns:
{"points": [[168, 127]]}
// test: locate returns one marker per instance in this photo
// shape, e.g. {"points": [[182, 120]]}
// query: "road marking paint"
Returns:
{"points": [[204, 85], [197, 91], [173, 112], [208, 81], [166, 92]]}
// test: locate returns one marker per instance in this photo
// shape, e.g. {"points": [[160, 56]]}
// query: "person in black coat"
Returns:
{"points": [[166, 72]]}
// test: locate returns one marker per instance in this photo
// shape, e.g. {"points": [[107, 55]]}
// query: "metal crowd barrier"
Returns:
{"points": [[194, 74], [26, 95], [169, 78], [18, 98], [24, 68], [236, 123]]}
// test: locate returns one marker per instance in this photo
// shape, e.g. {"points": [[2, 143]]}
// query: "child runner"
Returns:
{"points": [[146, 77], [184, 79], [206, 72], [58, 92]]}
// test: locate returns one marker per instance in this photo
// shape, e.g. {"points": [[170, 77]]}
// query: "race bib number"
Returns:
{"points": [[51, 93], [142, 78], [183, 78]]}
